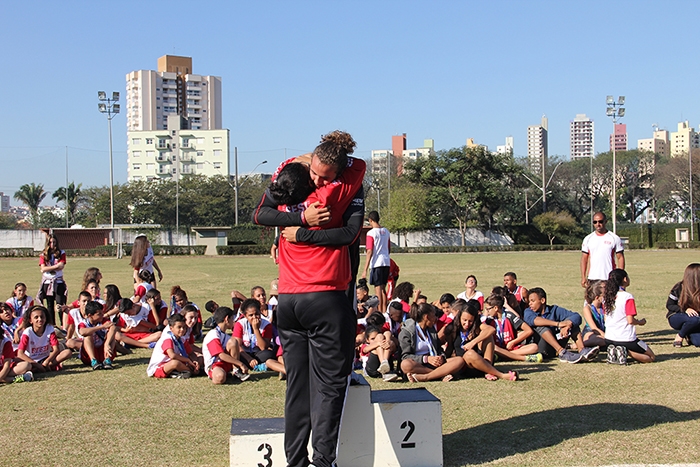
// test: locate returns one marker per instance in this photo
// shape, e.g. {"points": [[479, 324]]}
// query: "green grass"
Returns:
{"points": [[560, 414]]}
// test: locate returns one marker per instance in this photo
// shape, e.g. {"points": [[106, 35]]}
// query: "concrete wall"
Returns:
{"points": [[37, 239], [450, 237]]}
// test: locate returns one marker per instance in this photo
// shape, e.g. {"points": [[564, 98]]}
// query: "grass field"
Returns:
{"points": [[559, 414]]}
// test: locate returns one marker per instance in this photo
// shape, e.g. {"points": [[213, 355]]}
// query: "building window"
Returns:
{"points": [[217, 139], [217, 165], [136, 141], [217, 152], [137, 166], [200, 140], [200, 153], [136, 154], [137, 178], [150, 167], [200, 166], [149, 140]]}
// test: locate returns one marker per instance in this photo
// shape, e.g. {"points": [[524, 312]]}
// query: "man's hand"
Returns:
{"points": [[290, 233], [316, 216]]}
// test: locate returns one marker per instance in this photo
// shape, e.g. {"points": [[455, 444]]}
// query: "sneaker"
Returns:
{"points": [[152, 345], [390, 377], [239, 374], [590, 353], [107, 364], [25, 378], [384, 367], [260, 367], [180, 374], [612, 354], [95, 365], [621, 355], [534, 358], [570, 357]]}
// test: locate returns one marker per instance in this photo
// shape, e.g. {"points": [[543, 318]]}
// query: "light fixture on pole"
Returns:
{"points": [[237, 186], [109, 107], [615, 111]]}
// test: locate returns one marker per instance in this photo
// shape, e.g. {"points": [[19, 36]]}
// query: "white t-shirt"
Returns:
{"points": [[378, 242], [214, 343], [616, 326], [601, 250]]}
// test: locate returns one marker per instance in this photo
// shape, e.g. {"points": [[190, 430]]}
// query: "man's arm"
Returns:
{"points": [[620, 255], [584, 269]]}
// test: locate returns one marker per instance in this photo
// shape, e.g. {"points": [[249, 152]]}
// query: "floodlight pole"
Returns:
{"points": [[109, 107], [690, 185], [615, 111]]}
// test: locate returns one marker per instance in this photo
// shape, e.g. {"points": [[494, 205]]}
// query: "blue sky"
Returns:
{"points": [[291, 71]]}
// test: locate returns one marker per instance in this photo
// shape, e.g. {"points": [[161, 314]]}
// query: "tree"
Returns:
{"points": [[408, 209], [96, 204], [31, 195], [555, 223], [72, 198], [7, 222]]}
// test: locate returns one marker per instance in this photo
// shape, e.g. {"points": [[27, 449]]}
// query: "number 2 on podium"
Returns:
{"points": [[411, 428]]}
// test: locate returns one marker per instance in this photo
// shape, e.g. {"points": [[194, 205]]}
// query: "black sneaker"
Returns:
{"points": [[570, 357], [590, 353]]}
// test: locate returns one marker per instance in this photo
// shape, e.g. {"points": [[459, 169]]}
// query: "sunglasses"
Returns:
{"points": [[598, 222]]}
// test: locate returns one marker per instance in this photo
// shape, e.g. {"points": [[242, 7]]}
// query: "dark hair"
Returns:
{"points": [[404, 291], [145, 275], [250, 303], [498, 290], [376, 318], [447, 298], [539, 291], [605, 218], [26, 318], [84, 293], [476, 282], [210, 306], [421, 297], [17, 285], [292, 185], [396, 306], [125, 304], [176, 318], [112, 296], [253, 289], [48, 251], [334, 149], [612, 285], [373, 216], [511, 274], [419, 311], [93, 307], [495, 300], [372, 328], [363, 286], [5, 307], [471, 307], [153, 293], [177, 292], [187, 308], [222, 313]]}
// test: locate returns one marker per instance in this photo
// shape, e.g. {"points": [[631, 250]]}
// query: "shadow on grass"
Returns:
{"points": [[548, 428], [676, 356]]}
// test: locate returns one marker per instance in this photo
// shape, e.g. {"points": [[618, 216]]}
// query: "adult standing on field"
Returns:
{"points": [[601, 252], [377, 246]]}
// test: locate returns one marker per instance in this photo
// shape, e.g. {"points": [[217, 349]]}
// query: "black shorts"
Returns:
{"points": [[261, 356], [379, 276], [638, 346]]}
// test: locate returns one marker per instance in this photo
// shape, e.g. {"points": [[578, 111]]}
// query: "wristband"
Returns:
{"points": [[425, 359], [303, 219]]}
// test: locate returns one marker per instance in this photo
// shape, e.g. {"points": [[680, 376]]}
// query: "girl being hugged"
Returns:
{"points": [[38, 345], [620, 322], [142, 258], [475, 343], [683, 307], [422, 358], [20, 302], [53, 288], [594, 330]]}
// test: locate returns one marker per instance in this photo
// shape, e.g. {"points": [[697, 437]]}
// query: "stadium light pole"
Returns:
{"points": [[109, 107], [247, 176], [615, 111]]}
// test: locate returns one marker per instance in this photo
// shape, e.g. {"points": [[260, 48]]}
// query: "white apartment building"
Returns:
{"points": [[381, 156], [506, 148], [537, 151], [4, 202], [174, 152], [659, 143], [684, 139], [152, 96], [581, 137]]}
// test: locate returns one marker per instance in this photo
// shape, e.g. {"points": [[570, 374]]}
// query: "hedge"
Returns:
{"points": [[158, 250], [17, 252], [242, 250]]}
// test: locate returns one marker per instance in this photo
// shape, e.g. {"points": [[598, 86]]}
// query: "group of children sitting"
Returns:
{"points": [[412, 340], [464, 336]]}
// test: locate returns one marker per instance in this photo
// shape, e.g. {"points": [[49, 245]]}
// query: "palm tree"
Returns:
{"points": [[32, 195], [71, 197]]}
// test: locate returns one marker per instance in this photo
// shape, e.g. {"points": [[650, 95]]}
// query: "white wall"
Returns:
{"points": [[450, 237]]}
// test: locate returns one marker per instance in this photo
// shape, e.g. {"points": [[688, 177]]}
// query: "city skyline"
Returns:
{"points": [[291, 72]]}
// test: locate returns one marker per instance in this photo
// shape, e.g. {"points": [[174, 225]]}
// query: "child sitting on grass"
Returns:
{"points": [[511, 332], [171, 356], [98, 334], [9, 325], [620, 322], [378, 352], [554, 326], [38, 345], [74, 340], [11, 370], [220, 351], [593, 313], [133, 327], [254, 336]]}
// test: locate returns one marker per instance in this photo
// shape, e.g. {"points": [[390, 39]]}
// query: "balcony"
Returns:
{"points": [[163, 170], [162, 144], [162, 158]]}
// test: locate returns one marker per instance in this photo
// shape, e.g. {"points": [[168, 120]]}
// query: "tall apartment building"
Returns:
{"points": [[174, 123], [659, 143], [4, 202], [398, 155], [152, 96], [506, 148], [537, 151], [581, 137], [619, 137], [684, 139]]}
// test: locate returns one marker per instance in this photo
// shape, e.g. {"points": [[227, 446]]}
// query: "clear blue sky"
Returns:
{"points": [[291, 71]]}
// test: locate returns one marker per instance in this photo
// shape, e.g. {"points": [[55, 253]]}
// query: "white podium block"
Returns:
{"points": [[408, 428], [388, 428]]}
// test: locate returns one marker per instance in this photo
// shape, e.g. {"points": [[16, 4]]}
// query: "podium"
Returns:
{"points": [[387, 428]]}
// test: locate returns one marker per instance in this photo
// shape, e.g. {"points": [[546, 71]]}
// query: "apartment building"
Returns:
{"points": [[619, 137], [581, 137], [684, 139], [537, 150], [659, 143]]}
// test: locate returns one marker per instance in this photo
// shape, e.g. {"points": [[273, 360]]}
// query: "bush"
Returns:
{"points": [[158, 250], [250, 234], [17, 252], [243, 250]]}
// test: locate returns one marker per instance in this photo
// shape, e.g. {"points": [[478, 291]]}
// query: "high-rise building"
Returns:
{"points": [[684, 139], [537, 151], [398, 155], [4, 202], [619, 137], [659, 143], [506, 148], [152, 96], [581, 136]]}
